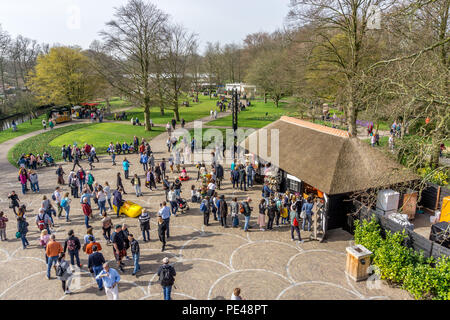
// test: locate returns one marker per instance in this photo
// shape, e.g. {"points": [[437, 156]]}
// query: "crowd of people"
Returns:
{"points": [[273, 210]]}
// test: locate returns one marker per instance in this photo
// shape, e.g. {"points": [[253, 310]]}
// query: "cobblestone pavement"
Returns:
{"points": [[210, 261]]}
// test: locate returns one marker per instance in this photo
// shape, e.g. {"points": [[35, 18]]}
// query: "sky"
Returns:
{"points": [[77, 22]]}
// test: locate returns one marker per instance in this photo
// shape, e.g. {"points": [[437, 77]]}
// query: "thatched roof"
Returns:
{"points": [[326, 158]]}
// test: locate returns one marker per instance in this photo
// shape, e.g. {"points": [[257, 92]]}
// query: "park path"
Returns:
{"points": [[5, 166], [7, 169]]}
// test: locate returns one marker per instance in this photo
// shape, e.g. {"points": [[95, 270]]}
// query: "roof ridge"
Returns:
{"points": [[316, 127]]}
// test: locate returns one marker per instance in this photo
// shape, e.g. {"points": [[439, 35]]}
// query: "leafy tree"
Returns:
{"points": [[62, 76]]}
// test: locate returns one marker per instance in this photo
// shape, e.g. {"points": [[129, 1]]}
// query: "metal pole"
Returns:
{"points": [[235, 116]]}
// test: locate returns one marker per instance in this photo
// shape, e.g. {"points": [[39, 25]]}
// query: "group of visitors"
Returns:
{"points": [[51, 123], [28, 176], [31, 161]]}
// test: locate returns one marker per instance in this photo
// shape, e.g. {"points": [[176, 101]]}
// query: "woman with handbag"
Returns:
{"points": [[293, 217]]}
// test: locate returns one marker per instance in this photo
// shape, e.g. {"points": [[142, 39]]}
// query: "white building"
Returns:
{"points": [[241, 88]]}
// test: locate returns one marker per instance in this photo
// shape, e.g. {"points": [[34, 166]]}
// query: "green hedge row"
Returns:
{"points": [[424, 278]]}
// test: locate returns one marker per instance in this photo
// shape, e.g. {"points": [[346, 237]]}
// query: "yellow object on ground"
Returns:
{"points": [[130, 209], [445, 212]]}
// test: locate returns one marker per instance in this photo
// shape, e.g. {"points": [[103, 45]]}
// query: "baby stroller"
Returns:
{"points": [[49, 162], [182, 205]]}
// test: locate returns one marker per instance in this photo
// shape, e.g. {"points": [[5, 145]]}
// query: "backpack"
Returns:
{"points": [[60, 271], [166, 276], [203, 207], [71, 245], [241, 208], [41, 223], [53, 197]]}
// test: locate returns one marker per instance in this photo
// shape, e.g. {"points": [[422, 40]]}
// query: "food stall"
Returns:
{"points": [[60, 114]]}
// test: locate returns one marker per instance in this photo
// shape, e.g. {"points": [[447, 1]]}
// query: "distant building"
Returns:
{"points": [[241, 88]]}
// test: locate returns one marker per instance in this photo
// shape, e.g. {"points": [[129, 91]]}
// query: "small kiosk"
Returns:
{"points": [[60, 114], [327, 163]]}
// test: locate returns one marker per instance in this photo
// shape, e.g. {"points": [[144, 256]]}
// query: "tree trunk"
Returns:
{"points": [[351, 113], [148, 127], [265, 97], [351, 120], [175, 109], [2, 73], [435, 150]]}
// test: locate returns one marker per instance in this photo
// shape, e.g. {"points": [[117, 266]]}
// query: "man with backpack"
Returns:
{"points": [[73, 245], [90, 180], [95, 265], [118, 201], [52, 250], [118, 242], [204, 208], [246, 210], [166, 274], [43, 221]]}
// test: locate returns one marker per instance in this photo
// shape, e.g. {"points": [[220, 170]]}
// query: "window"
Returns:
{"points": [[294, 186]]}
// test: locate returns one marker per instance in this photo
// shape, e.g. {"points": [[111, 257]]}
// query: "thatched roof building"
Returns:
{"points": [[326, 158]]}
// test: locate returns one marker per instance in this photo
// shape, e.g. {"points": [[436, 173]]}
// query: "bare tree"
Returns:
{"points": [[180, 47], [5, 41], [129, 42], [349, 19]]}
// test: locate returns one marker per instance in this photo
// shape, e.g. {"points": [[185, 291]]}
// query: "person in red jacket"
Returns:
{"points": [[87, 212]]}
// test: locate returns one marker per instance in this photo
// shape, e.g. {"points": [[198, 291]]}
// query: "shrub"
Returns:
{"points": [[439, 177], [423, 278]]}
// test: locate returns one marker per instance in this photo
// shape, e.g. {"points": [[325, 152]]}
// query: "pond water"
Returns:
{"points": [[5, 124]]}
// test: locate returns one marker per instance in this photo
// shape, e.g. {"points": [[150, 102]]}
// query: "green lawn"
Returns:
{"points": [[102, 134], [40, 143], [194, 112], [22, 129], [116, 103], [258, 115]]}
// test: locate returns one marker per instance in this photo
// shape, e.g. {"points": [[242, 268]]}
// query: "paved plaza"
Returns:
{"points": [[210, 261]]}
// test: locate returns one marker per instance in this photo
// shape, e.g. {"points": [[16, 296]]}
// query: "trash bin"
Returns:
{"points": [[358, 261]]}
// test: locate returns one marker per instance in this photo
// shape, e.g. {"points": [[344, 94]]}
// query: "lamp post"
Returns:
{"points": [[235, 107]]}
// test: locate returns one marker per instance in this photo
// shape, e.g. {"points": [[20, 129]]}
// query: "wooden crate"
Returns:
{"points": [[358, 261], [410, 204]]}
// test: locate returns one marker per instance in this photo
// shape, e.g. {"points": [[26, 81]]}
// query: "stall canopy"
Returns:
{"points": [[90, 104], [327, 158]]}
